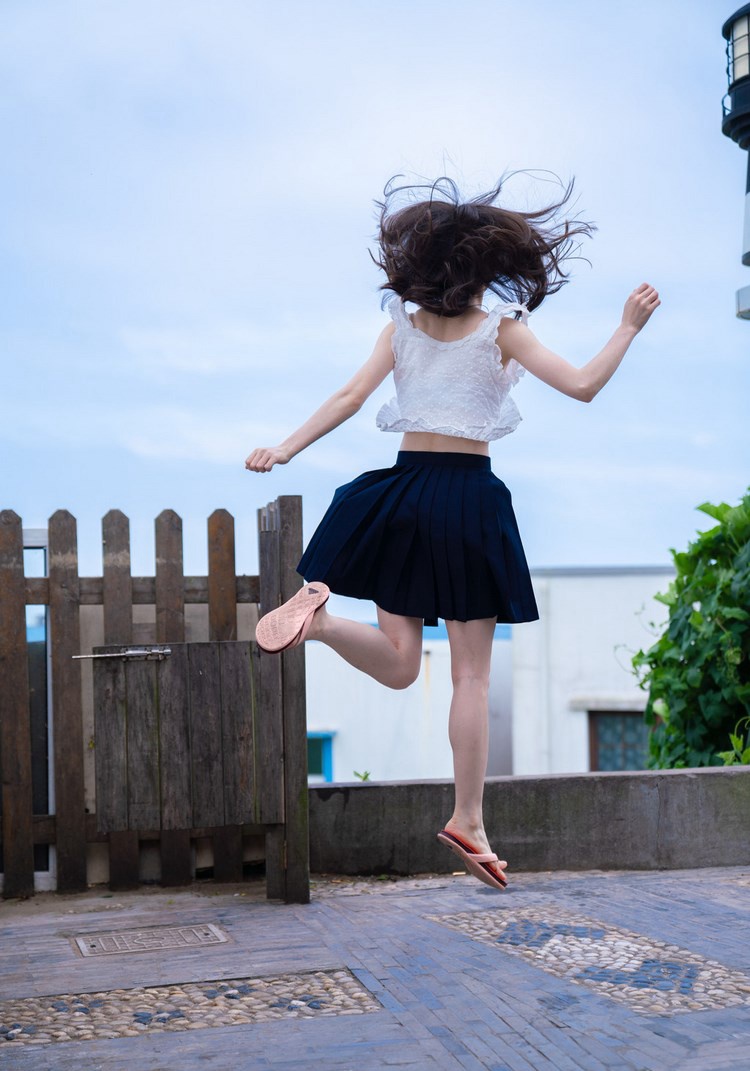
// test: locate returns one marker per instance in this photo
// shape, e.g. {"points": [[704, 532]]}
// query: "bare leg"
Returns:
{"points": [[392, 654], [468, 725]]}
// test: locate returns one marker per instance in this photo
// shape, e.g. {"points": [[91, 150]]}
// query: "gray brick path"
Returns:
{"points": [[556, 974]]}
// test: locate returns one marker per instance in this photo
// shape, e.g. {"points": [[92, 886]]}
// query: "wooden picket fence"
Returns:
{"points": [[258, 770]]}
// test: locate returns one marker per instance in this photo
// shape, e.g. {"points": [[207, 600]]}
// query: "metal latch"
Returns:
{"points": [[152, 654]]}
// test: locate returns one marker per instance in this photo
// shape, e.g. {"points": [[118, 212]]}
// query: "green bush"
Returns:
{"points": [[698, 672]]}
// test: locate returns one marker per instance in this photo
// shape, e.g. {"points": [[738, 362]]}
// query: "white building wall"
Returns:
{"points": [[544, 681], [576, 658], [399, 735]]}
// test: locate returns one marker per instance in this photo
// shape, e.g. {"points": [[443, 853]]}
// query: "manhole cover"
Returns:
{"points": [[150, 940]]}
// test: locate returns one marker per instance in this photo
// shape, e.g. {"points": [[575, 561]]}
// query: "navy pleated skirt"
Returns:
{"points": [[433, 537]]}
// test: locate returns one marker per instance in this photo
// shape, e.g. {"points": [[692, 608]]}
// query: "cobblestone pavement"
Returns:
{"points": [[637, 971]]}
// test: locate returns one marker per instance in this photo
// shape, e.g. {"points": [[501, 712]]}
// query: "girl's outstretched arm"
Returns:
{"points": [[339, 407], [517, 342]]}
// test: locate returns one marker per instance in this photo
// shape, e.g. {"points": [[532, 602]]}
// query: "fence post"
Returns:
{"points": [[117, 596], [174, 839], [294, 714], [15, 728], [270, 741], [64, 605], [222, 625]]}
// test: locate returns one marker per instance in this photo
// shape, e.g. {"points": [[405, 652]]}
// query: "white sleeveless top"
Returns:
{"points": [[452, 388]]}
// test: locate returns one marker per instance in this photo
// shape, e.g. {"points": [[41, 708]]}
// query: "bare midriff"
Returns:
{"points": [[451, 444]]}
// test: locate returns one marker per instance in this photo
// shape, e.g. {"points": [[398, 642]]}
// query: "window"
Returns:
{"points": [[618, 740], [319, 757]]}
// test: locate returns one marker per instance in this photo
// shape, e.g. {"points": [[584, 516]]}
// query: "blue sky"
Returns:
{"points": [[188, 191]]}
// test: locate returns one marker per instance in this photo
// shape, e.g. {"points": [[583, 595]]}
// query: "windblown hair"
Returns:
{"points": [[440, 252]]}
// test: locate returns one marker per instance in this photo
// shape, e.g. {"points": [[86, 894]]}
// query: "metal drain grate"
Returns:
{"points": [[155, 939]]}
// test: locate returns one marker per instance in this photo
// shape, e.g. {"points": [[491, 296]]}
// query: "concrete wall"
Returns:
{"points": [[637, 821]]}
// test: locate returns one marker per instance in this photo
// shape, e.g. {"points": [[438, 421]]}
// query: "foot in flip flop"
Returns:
{"points": [[286, 627], [483, 865]]}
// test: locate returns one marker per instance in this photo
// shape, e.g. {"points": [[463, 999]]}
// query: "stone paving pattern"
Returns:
{"points": [[130, 1012], [447, 993], [647, 975]]}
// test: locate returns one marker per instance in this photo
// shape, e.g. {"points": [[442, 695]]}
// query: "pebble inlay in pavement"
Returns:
{"points": [[648, 975], [152, 939], [194, 1006]]}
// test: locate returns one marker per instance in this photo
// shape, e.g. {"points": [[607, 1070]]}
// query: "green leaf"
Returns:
{"points": [[735, 613], [694, 676], [697, 673], [660, 708], [669, 597], [717, 512]]}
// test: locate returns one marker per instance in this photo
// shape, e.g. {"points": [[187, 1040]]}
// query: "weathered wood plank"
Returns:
{"points": [[174, 741], [44, 830], [237, 731], [276, 863], [205, 735], [290, 545], [269, 738], [227, 845], [15, 733], [170, 584], [117, 590], [195, 590], [176, 860], [67, 715], [222, 585], [40, 758], [110, 742], [295, 778], [124, 860], [36, 590], [144, 805], [174, 844], [294, 715], [117, 599]]}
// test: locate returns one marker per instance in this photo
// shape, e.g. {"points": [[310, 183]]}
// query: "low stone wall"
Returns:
{"points": [[671, 819]]}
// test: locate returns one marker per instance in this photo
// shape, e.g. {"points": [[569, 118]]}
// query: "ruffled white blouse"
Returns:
{"points": [[452, 388]]}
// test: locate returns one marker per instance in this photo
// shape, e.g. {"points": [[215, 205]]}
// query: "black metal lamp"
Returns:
{"points": [[736, 123]]}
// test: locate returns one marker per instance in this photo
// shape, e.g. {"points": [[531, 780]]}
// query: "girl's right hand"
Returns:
{"points": [[264, 458], [639, 306]]}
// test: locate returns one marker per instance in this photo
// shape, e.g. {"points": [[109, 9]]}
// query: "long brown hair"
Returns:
{"points": [[440, 252]]}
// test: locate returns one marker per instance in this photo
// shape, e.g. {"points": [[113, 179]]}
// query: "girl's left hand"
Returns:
{"points": [[639, 306], [264, 458]]}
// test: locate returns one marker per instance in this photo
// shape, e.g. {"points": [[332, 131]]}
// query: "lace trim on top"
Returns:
{"points": [[403, 322], [489, 326], [389, 419]]}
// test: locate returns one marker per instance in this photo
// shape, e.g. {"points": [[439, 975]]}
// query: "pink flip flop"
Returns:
{"points": [[477, 863], [286, 627]]}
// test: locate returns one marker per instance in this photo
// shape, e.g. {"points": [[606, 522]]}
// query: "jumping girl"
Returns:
{"points": [[435, 535]]}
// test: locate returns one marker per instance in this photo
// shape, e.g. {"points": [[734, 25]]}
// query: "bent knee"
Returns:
{"points": [[405, 677]]}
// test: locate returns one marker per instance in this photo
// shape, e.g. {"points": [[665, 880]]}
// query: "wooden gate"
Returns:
{"points": [[208, 742]]}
